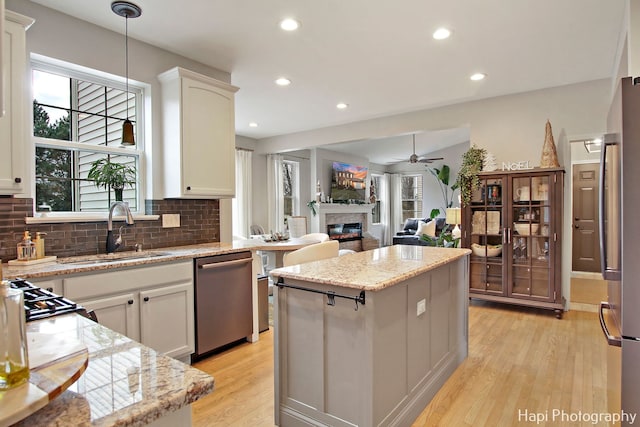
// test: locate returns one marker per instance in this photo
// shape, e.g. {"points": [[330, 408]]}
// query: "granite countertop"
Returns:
{"points": [[372, 270], [82, 264], [125, 384]]}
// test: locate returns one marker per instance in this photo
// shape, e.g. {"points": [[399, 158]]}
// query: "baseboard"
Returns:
{"points": [[586, 275], [578, 306]]}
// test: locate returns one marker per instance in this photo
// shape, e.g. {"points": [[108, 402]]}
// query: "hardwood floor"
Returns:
{"points": [[519, 359]]}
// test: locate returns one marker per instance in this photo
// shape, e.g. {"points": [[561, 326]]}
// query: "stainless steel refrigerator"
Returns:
{"points": [[620, 247]]}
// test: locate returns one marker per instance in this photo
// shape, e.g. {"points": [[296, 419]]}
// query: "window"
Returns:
{"points": [[290, 187], [374, 190], [411, 196], [77, 119]]}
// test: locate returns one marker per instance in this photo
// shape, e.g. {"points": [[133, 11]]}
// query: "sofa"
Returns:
{"points": [[408, 236]]}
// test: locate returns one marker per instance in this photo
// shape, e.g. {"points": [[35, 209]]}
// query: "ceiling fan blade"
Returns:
{"points": [[430, 160]]}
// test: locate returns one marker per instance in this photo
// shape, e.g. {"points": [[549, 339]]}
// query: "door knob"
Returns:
{"points": [[576, 226], [577, 219]]}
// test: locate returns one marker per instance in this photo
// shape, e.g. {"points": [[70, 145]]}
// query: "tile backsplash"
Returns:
{"points": [[199, 223]]}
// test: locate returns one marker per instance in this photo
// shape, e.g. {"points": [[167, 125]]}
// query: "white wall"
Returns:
{"points": [[65, 38], [432, 195], [511, 126]]}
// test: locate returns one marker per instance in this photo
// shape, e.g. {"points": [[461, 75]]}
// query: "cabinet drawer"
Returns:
{"points": [[125, 280]]}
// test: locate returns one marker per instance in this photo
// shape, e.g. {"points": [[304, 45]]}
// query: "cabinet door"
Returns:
{"points": [[531, 223], [166, 319], [118, 313], [486, 235], [208, 146], [12, 123]]}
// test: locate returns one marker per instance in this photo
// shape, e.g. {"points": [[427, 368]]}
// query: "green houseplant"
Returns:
{"points": [[444, 240], [312, 206], [108, 174], [442, 176], [468, 180]]}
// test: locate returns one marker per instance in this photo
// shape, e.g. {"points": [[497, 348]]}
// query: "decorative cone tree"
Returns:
{"points": [[549, 157]]}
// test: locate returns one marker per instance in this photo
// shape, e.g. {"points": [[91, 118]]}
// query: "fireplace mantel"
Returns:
{"points": [[361, 213], [325, 208]]}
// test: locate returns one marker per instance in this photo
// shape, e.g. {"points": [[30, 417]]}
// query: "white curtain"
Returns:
{"points": [[241, 205], [395, 199], [275, 196], [385, 209]]}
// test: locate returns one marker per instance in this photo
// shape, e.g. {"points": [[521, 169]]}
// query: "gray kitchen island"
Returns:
{"points": [[367, 339]]}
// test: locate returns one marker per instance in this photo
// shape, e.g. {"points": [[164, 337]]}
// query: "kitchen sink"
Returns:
{"points": [[110, 258]]}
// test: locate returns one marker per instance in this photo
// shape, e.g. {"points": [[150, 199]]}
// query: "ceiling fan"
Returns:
{"points": [[414, 158]]}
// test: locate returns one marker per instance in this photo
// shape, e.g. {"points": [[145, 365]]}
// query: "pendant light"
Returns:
{"points": [[126, 10]]}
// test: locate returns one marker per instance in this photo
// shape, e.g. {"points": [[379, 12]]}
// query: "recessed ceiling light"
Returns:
{"points": [[253, 125], [478, 76], [283, 81], [441, 34], [341, 106], [289, 24]]}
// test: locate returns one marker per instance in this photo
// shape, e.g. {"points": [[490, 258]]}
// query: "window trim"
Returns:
{"points": [[295, 187], [141, 92], [378, 201], [402, 200]]}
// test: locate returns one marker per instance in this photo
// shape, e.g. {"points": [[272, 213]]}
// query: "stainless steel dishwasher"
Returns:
{"points": [[223, 306]]}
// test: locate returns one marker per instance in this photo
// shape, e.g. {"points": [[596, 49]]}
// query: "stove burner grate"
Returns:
{"points": [[41, 303]]}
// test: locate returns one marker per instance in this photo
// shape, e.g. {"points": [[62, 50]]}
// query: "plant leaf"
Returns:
{"points": [[443, 175]]}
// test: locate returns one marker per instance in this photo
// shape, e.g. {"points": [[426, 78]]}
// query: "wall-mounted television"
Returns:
{"points": [[348, 182]]}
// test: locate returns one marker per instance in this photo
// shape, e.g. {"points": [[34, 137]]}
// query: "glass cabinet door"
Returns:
{"points": [[529, 236], [486, 237]]}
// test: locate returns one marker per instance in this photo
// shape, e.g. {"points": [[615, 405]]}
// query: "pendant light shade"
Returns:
{"points": [[127, 133], [126, 10]]}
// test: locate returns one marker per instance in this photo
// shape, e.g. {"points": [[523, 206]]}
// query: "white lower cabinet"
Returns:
{"points": [[166, 319], [118, 313], [151, 304]]}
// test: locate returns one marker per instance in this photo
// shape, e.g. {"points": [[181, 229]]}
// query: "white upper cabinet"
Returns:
{"points": [[13, 124], [199, 136]]}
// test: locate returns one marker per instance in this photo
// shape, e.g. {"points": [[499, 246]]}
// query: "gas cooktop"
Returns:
{"points": [[40, 303]]}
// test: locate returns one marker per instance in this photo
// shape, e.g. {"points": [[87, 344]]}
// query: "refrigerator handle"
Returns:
{"points": [[601, 219], [611, 340]]}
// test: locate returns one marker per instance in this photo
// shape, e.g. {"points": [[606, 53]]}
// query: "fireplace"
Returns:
{"points": [[345, 232]]}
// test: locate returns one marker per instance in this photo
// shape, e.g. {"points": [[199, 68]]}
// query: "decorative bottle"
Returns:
{"points": [[26, 248], [39, 242], [14, 361]]}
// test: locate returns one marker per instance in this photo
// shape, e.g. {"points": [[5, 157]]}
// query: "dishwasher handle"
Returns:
{"points": [[223, 264]]}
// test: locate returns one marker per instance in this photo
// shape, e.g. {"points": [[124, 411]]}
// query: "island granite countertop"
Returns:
{"points": [[372, 270], [125, 383]]}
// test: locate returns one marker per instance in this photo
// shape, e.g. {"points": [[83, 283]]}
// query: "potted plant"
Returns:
{"points": [[468, 180], [444, 240], [108, 174], [312, 206], [442, 176]]}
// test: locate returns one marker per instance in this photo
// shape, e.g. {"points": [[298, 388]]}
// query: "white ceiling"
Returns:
{"points": [[377, 56], [397, 149]]}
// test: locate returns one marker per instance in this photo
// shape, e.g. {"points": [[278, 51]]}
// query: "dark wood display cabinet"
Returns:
{"points": [[513, 226]]}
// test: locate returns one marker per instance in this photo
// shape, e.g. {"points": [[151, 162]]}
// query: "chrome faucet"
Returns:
{"points": [[114, 243]]}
